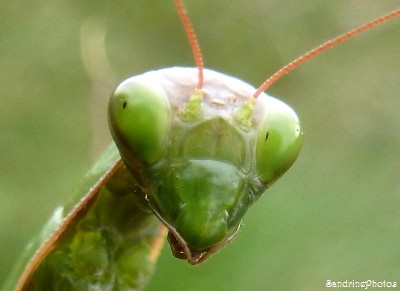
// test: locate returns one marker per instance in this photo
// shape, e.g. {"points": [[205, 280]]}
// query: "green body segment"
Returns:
{"points": [[212, 166], [109, 246]]}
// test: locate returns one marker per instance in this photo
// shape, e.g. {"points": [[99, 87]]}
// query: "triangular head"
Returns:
{"points": [[201, 163]]}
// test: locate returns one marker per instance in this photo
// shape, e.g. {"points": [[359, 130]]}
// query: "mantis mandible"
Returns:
{"points": [[176, 173]]}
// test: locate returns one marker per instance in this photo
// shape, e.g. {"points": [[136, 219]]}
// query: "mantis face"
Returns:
{"points": [[201, 165]]}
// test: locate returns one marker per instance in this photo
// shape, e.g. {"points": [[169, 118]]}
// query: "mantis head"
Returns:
{"points": [[201, 164]]}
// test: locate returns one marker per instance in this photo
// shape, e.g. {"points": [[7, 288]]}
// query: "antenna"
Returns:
{"points": [[329, 44], [192, 41]]}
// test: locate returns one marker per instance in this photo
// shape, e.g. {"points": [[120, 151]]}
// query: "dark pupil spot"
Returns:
{"points": [[124, 104], [267, 135]]}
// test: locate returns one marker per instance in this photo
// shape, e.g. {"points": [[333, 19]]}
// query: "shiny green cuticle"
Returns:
{"points": [[139, 117]]}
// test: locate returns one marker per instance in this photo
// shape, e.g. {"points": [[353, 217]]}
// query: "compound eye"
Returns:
{"points": [[279, 141], [139, 115]]}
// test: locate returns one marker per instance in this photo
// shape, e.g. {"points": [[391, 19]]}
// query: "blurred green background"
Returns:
{"points": [[334, 216]]}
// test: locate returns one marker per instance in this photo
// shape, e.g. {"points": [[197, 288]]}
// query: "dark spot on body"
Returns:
{"points": [[124, 104], [267, 135]]}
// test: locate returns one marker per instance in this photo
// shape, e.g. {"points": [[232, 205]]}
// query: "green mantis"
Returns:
{"points": [[181, 174]]}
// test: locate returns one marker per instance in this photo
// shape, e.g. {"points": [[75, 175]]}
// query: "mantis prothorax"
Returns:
{"points": [[193, 150]]}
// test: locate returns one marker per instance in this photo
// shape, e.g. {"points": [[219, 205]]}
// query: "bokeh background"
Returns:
{"points": [[334, 216]]}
